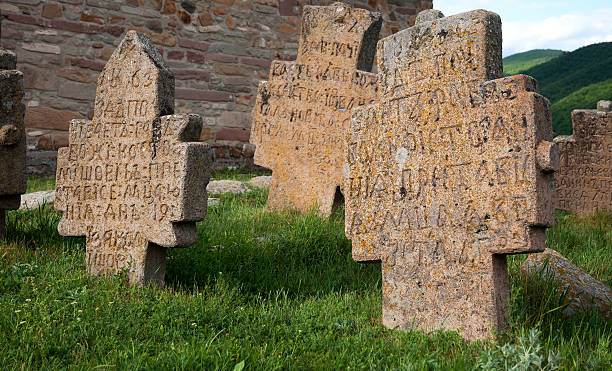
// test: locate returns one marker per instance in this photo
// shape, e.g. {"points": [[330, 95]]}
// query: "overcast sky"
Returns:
{"points": [[543, 24]]}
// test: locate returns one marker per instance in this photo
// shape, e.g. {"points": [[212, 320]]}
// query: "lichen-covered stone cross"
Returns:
{"points": [[583, 183], [302, 111], [450, 171], [128, 181]]}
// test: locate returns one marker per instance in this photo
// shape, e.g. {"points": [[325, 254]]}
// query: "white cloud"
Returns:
{"points": [[566, 32], [543, 24]]}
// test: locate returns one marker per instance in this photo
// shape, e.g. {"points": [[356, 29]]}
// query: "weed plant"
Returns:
{"points": [[262, 290]]}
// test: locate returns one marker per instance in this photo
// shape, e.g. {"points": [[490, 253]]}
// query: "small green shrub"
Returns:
{"points": [[527, 354]]}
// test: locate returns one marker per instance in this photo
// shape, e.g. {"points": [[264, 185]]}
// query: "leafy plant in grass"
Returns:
{"points": [[536, 301], [526, 354]]}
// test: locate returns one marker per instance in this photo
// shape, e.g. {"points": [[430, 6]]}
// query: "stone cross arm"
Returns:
{"points": [[429, 163], [145, 187]]}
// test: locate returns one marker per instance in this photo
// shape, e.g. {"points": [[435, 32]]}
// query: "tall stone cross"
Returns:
{"points": [[129, 181], [302, 111], [448, 173], [583, 183], [12, 136]]}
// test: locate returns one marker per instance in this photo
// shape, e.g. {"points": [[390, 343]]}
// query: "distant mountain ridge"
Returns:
{"points": [[522, 61], [572, 80]]}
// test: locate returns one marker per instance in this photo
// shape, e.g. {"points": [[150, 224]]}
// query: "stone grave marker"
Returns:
{"points": [[579, 290], [583, 183], [12, 136], [130, 180], [448, 173], [303, 109]]}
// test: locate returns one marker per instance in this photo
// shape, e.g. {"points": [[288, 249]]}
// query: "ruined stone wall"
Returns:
{"points": [[219, 50]]}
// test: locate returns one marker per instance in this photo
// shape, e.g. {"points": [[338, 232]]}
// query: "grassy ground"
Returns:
{"points": [[40, 184], [268, 291], [238, 174]]}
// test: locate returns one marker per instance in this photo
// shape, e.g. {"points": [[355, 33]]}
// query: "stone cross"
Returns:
{"points": [[12, 136], [128, 180], [302, 111], [448, 173], [583, 183]]}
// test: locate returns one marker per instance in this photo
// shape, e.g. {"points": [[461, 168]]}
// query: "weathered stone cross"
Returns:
{"points": [[302, 112], [583, 183], [12, 136], [127, 181], [450, 171]]}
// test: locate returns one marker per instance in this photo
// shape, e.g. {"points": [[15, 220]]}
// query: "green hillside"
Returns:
{"points": [[586, 98], [574, 80], [522, 61], [570, 72]]}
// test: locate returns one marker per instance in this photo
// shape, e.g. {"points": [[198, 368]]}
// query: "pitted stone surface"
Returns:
{"points": [[429, 15], [442, 178], [263, 181], [583, 183], [129, 180], [35, 200], [227, 186], [12, 136], [581, 290], [302, 111]]}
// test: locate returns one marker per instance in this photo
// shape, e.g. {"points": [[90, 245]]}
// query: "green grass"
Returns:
{"points": [[40, 184], [585, 98], [521, 61], [240, 174], [277, 291]]}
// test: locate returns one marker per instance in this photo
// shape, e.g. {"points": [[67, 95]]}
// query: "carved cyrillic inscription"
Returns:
{"points": [[584, 181], [127, 181], [443, 175], [302, 111]]}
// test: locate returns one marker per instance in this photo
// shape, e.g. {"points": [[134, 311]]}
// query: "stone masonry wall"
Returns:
{"points": [[219, 50]]}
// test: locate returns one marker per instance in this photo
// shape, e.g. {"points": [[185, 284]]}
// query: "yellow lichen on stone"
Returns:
{"points": [[303, 110], [442, 178]]}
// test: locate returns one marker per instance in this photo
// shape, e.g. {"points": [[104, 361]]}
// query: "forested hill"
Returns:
{"points": [[522, 61], [586, 98], [575, 80], [570, 72]]}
